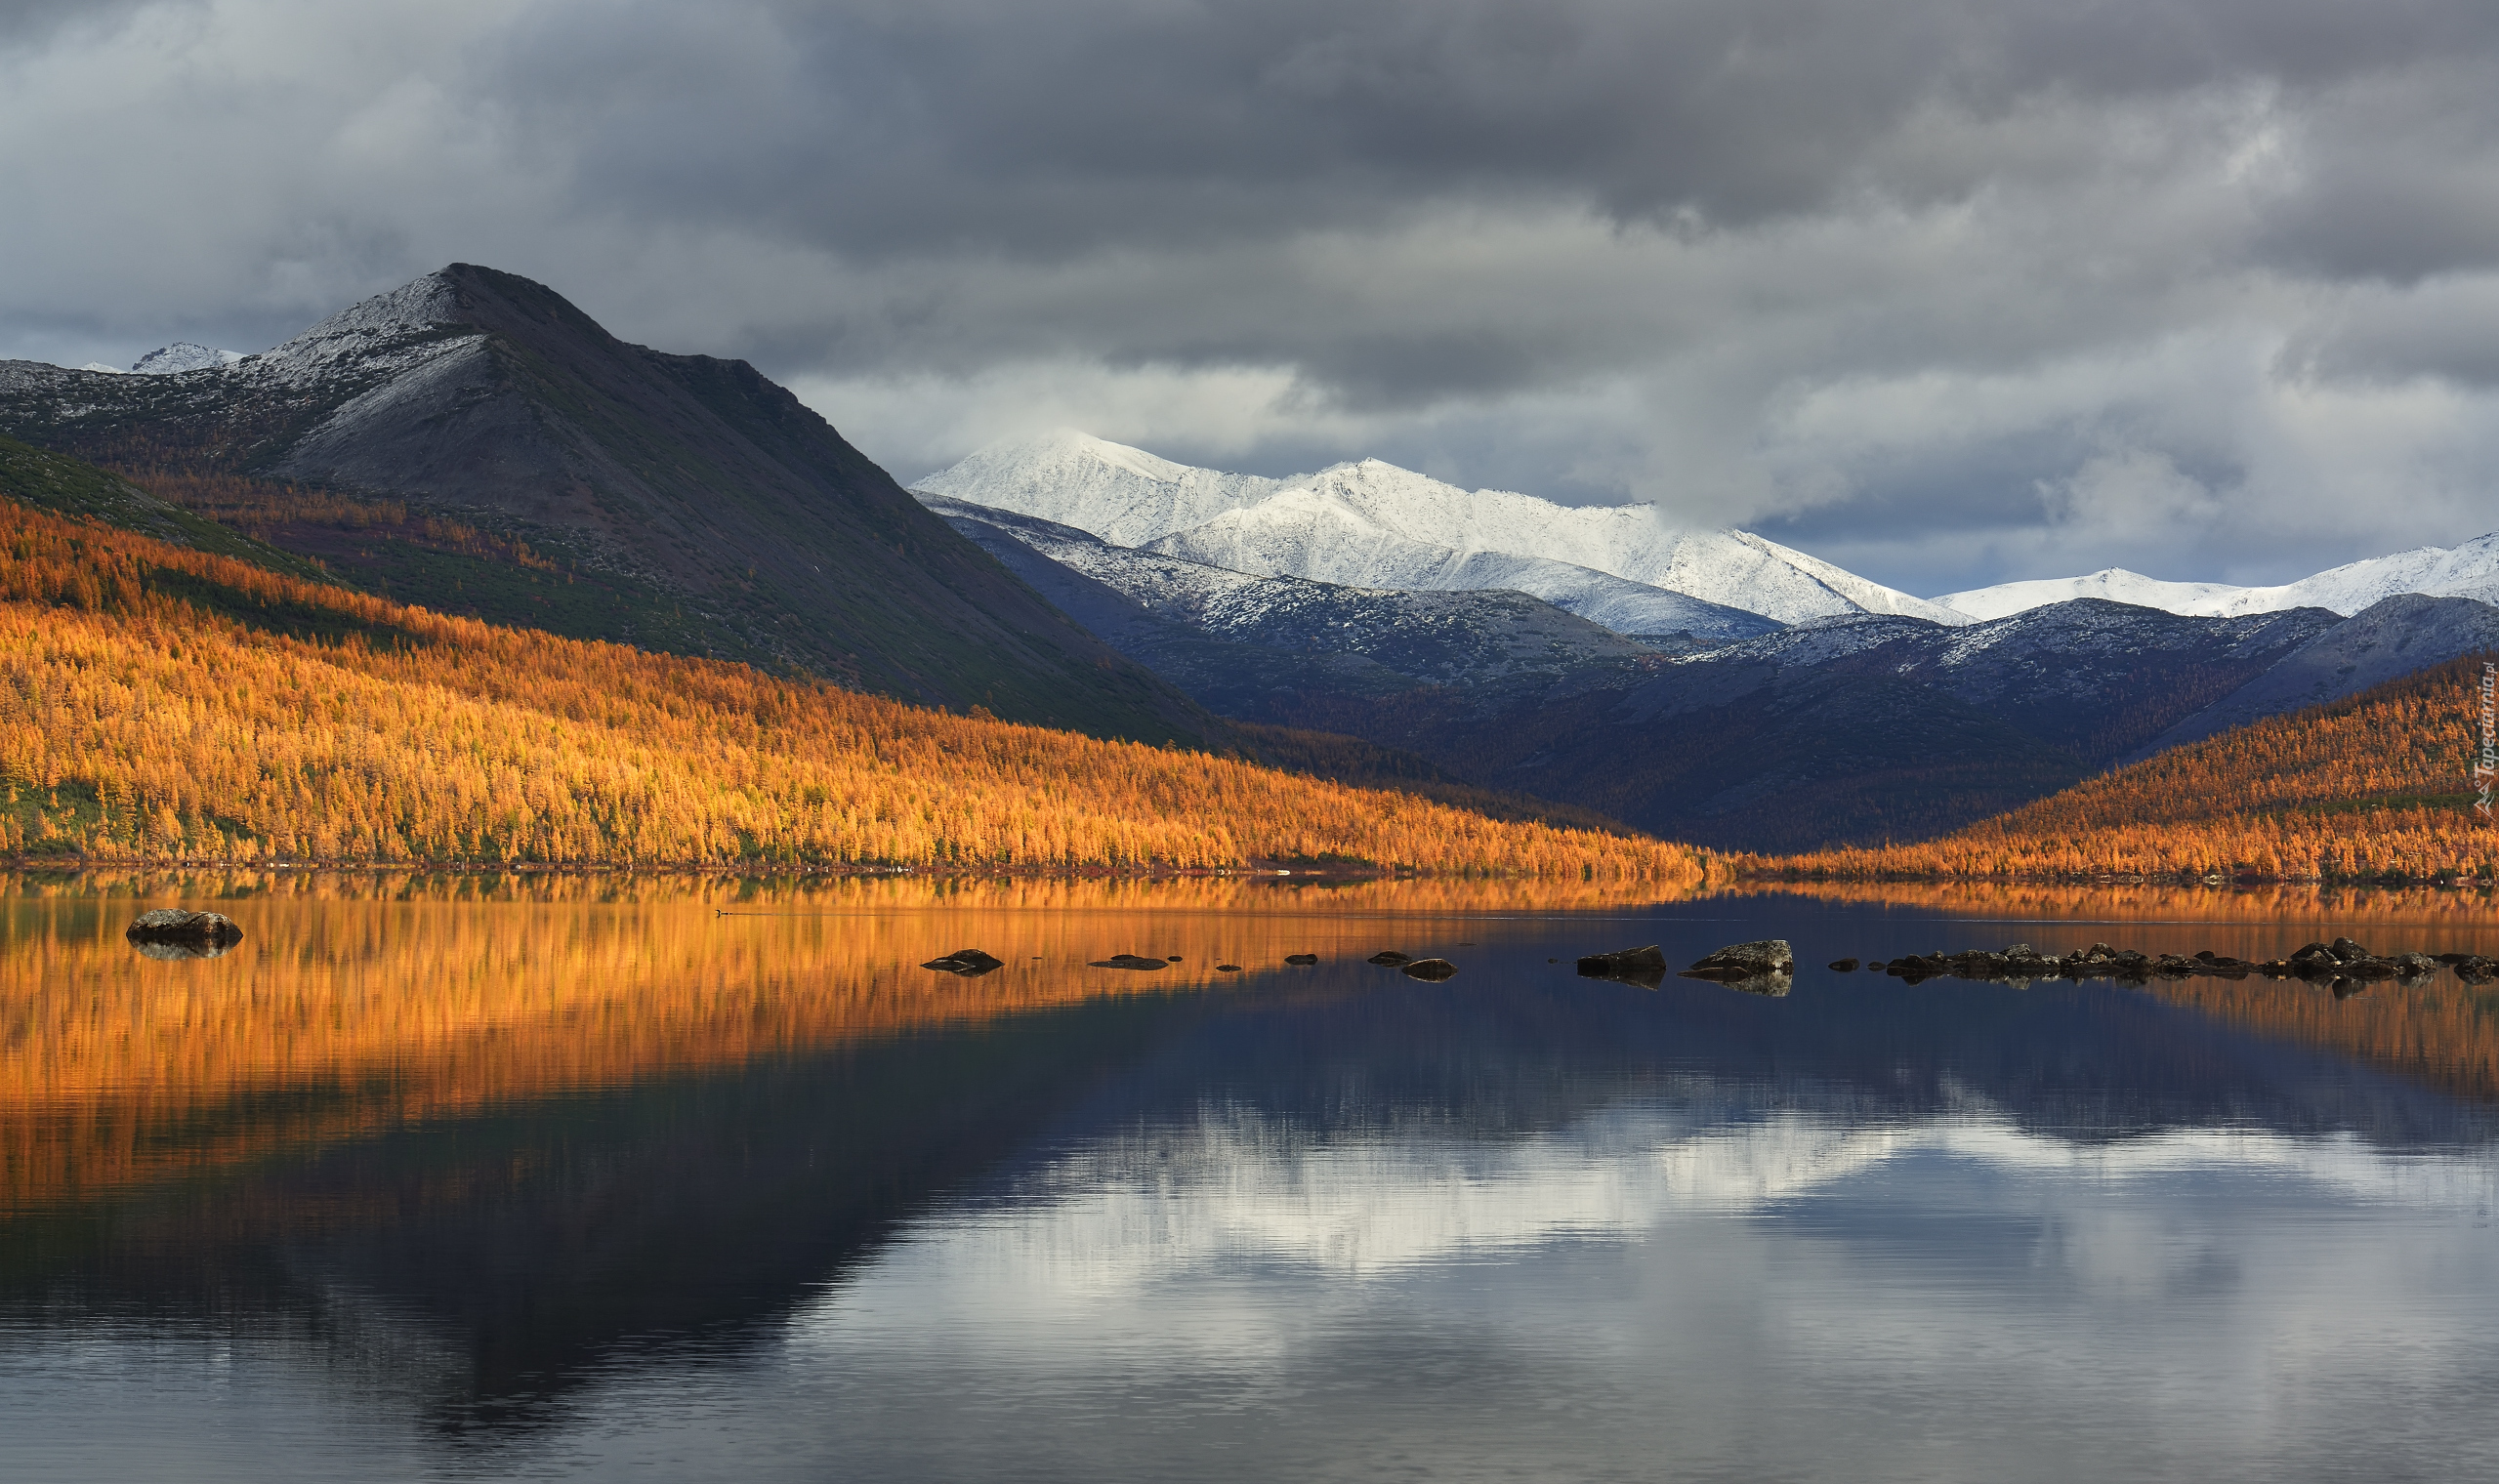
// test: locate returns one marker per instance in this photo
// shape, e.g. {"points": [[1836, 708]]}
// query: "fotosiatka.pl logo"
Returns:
{"points": [[2486, 770]]}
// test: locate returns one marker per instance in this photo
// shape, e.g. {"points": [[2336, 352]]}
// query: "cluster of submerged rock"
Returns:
{"points": [[972, 963], [1769, 966], [1766, 967], [2343, 963]]}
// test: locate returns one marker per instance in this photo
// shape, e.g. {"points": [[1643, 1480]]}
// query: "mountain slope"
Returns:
{"points": [[2391, 638], [67, 486], [1374, 524], [162, 703], [2470, 570], [673, 502], [2376, 786]]}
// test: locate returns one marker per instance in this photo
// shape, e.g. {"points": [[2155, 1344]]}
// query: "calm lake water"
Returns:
{"points": [[453, 1178]]}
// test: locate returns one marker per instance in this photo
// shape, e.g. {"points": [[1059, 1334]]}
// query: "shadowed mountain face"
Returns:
{"points": [[502, 455]]}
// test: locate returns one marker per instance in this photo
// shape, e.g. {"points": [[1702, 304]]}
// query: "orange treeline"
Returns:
{"points": [[2376, 785], [158, 703]]}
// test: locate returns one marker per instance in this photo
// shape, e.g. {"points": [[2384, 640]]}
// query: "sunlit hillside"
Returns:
{"points": [[159, 703], [2376, 786]]}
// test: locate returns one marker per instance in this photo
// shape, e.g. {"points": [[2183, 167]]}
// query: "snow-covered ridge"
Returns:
{"points": [[376, 337], [2470, 570], [1374, 524], [184, 355], [1124, 495]]}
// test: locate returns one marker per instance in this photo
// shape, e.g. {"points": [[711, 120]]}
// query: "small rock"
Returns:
{"points": [[1644, 968], [1128, 960], [1228, 969], [1388, 957], [969, 963], [2350, 952], [1300, 958], [1171, 958], [1431, 970], [1844, 966]]}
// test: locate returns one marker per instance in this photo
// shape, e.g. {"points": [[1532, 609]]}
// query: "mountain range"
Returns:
{"points": [[1373, 524], [1781, 704], [2470, 570]]}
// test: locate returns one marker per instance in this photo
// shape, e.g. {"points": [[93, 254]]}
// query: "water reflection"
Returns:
{"points": [[429, 1179]]}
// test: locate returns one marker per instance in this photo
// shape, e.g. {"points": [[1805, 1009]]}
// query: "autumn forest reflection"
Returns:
{"points": [[482, 1141]]}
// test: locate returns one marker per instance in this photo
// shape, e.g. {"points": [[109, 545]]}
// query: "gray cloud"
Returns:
{"points": [[1953, 289]]}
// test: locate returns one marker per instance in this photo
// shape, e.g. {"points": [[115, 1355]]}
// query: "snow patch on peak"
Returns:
{"points": [[182, 356], [389, 332], [1124, 495]]}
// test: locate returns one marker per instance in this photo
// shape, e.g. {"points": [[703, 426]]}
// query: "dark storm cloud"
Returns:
{"points": [[1025, 128], [2010, 283]]}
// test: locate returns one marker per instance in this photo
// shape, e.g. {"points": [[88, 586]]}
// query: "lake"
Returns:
{"points": [[471, 1178]]}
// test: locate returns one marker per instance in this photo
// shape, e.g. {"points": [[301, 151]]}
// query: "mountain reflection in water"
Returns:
{"points": [[570, 1176]]}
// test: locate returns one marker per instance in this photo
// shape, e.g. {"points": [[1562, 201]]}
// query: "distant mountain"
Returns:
{"points": [[473, 442], [2470, 570], [1846, 732], [184, 355], [1374, 524], [1232, 640]]}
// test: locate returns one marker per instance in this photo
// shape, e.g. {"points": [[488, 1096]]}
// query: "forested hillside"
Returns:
{"points": [[158, 702], [2375, 786]]}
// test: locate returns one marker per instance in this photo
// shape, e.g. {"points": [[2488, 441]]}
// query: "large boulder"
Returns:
{"points": [[969, 963], [180, 929], [1745, 961]]}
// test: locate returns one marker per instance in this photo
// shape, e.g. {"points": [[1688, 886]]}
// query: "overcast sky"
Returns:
{"points": [[1946, 291]]}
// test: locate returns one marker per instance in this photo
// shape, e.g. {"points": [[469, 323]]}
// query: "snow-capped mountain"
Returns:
{"points": [[1437, 637], [184, 355], [1374, 524], [172, 360], [2470, 570]]}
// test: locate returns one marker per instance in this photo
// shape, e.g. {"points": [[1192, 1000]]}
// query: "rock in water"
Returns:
{"points": [[1844, 966], [1745, 961], [1388, 957], [970, 963], [1228, 969], [1644, 966], [1431, 970], [1129, 960], [184, 930], [1300, 958]]}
